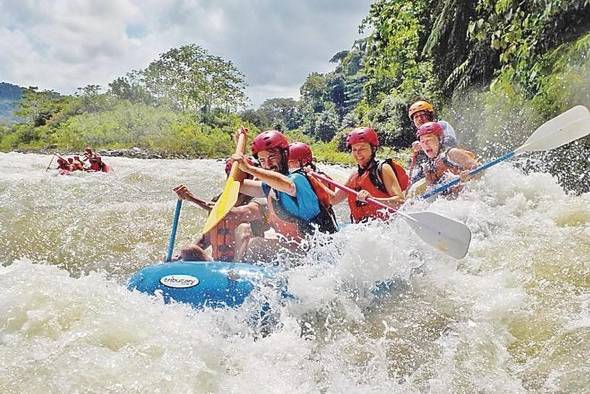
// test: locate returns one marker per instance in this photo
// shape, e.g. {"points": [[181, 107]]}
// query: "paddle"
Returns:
{"points": [[52, 157], [563, 129], [229, 196], [445, 234], [172, 236]]}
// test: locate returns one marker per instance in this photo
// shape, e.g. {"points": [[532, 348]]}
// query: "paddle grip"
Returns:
{"points": [[455, 181], [172, 236]]}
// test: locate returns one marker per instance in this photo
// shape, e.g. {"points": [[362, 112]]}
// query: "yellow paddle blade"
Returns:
{"points": [[224, 204]]}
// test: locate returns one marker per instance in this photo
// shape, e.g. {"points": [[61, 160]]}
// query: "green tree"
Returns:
{"points": [[91, 99], [131, 87], [37, 108], [193, 80], [326, 125], [280, 111]]}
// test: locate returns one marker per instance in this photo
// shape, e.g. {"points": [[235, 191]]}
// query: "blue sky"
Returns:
{"points": [[65, 44]]}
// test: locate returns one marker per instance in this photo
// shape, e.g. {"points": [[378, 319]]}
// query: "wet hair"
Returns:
{"points": [[284, 161]]}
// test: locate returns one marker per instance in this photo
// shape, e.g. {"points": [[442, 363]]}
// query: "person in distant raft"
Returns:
{"points": [[294, 209], [222, 237], [97, 165], [443, 163], [419, 113], [384, 181], [63, 165], [77, 165]]}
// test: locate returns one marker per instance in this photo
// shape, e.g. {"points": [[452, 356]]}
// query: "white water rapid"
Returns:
{"points": [[513, 316]]}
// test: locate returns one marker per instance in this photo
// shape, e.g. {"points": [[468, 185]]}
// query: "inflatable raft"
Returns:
{"points": [[205, 283]]}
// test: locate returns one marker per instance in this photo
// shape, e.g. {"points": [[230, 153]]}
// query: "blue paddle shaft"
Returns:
{"points": [[455, 181], [172, 237]]}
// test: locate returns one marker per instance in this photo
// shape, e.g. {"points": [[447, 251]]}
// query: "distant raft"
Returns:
{"points": [[204, 283]]}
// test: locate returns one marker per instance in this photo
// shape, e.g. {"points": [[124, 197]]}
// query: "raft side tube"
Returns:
{"points": [[203, 283]]}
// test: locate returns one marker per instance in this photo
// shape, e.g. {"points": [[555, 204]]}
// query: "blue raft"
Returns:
{"points": [[204, 283]]}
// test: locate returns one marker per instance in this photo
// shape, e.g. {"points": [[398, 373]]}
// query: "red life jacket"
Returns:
{"points": [[281, 222], [223, 241], [370, 180], [95, 166]]}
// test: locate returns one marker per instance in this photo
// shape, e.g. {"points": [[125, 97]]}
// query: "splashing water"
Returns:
{"points": [[510, 317]]}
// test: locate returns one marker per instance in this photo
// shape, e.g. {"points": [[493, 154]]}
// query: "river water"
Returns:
{"points": [[513, 316]]}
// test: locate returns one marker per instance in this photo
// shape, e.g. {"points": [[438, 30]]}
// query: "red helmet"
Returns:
{"points": [[268, 140], [300, 152], [430, 128], [362, 134]]}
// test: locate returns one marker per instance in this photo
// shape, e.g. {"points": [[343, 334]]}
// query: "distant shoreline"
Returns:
{"points": [[133, 153], [139, 153]]}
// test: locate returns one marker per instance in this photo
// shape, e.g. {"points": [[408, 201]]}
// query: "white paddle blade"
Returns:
{"points": [[565, 128], [446, 235]]}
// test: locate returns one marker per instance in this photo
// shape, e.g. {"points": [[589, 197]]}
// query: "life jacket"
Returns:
{"points": [[438, 169], [370, 180], [223, 241], [327, 184], [295, 229], [327, 217], [95, 166]]}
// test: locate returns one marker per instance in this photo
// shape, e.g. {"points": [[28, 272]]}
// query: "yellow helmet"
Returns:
{"points": [[420, 106]]}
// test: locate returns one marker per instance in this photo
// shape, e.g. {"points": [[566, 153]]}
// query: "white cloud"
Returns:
{"points": [[65, 44]]}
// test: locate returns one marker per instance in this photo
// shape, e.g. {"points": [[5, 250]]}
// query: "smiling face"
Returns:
{"points": [[421, 117], [362, 153], [430, 145], [270, 159]]}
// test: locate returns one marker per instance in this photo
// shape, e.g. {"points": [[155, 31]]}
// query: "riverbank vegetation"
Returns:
{"points": [[494, 69]]}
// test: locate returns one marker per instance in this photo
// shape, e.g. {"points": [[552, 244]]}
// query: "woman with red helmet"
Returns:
{"points": [[384, 181], [442, 160], [294, 209], [301, 157]]}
